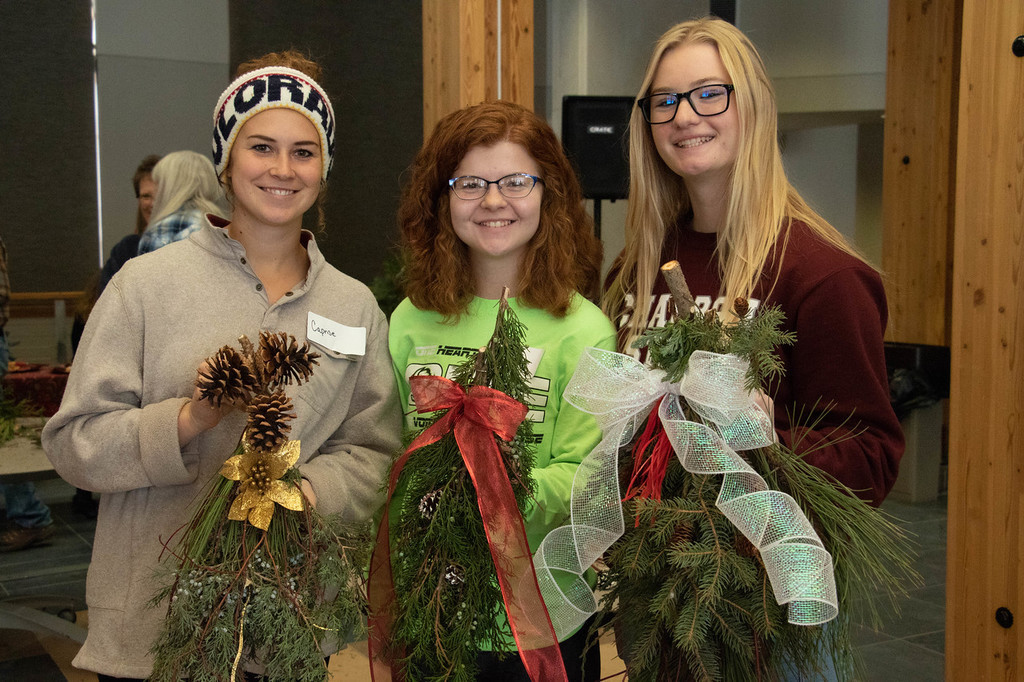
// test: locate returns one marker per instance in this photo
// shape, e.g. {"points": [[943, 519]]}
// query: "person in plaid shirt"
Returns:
{"points": [[186, 190]]}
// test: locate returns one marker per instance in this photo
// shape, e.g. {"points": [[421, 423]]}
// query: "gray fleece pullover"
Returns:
{"points": [[116, 431]]}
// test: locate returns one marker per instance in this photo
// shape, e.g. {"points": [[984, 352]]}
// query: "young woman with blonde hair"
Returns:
{"points": [[708, 189]]}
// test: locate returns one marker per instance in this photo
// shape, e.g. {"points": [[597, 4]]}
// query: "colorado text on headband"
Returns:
{"points": [[269, 88]]}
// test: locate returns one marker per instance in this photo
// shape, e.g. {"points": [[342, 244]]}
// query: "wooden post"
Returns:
{"points": [[985, 549], [917, 167], [517, 51], [462, 62]]}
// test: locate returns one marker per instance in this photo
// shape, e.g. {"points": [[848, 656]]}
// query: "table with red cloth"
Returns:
{"points": [[22, 459], [42, 386]]}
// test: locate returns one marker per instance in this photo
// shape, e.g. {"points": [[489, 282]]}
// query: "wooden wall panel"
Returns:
{"points": [[462, 62], [517, 52], [985, 553], [478, 51], [440, 71], [918, 164]]}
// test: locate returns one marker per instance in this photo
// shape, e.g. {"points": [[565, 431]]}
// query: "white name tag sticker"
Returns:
{"points": [[335, 337]]}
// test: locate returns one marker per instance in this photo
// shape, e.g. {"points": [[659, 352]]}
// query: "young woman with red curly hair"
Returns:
{"points": [[493, 202]]}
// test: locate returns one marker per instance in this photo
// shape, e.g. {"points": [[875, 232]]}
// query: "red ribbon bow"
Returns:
{"points": [[476, 417]]}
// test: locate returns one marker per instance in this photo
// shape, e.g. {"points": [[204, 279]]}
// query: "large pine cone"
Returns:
{"points": [[226, 378], [268, 421], [284, 360]]}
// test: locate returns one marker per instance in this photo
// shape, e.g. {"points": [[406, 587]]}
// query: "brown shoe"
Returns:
{"points": [[21, 538]]}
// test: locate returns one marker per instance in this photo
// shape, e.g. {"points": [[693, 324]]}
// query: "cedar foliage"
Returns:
{"points": [[448, 598], [689, 598], [273, 596], [235, 595]]}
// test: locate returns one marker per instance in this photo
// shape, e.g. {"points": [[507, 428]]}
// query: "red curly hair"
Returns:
{"points": [[563, 257]]}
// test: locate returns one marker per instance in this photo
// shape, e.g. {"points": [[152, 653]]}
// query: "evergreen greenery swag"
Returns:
{"points": [[449, 603], [10, 411], [688, 596], [271, 588]]}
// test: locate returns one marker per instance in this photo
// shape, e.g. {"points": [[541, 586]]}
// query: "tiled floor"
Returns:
{"points": [[908, 649], [60, 566], [910, 646]]}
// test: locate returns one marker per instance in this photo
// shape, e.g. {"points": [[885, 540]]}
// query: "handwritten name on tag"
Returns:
{"points": [[335, 337]]}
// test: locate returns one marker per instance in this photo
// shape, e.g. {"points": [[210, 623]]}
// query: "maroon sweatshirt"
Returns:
{"points": [[836, 306]]}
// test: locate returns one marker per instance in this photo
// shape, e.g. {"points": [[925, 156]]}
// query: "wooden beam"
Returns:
{"points": [[462, 63], [918, 167], [985, 548], [41, 303], [517, 51]]}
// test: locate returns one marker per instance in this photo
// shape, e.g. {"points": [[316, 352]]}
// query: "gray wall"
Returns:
{"points": [[827, 61], [161, 66]]}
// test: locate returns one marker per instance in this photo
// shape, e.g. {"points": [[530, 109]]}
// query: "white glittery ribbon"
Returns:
{"points": [[620, 392]]}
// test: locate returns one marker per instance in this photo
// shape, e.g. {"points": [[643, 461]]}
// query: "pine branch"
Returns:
{"points": [[445, 583], [688, 594]]}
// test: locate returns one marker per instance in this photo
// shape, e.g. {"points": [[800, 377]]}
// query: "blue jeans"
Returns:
{"points": [[828, 674], [23, 507], [825, 664]]}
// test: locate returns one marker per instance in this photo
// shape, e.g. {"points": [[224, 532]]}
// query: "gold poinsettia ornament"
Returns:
{"points": [[255, 376], [259, 474]]}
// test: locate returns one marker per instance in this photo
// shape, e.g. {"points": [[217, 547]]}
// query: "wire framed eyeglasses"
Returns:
{"points": [[514, 186]]}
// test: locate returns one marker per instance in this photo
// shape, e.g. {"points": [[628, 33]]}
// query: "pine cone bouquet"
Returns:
{"points": [[257, 575]]}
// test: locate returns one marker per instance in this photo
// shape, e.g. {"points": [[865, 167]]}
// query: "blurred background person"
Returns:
{"points": [[186, 190], [125, 249], [28, 519], [128, 247]]}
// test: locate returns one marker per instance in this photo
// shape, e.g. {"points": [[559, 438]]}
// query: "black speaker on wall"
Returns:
{"points": [[595, 134]]}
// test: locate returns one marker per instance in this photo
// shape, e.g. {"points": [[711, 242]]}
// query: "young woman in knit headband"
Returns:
{"points": [[132, 425]]}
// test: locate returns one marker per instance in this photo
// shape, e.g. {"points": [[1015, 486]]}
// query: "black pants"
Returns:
{"points": [[578, 668]]}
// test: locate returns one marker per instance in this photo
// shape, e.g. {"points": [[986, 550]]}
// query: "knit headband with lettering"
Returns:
{"points": [[269, 88]]}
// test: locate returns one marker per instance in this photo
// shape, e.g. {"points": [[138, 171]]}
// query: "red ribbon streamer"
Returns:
{"points": [[476, 417], [651, 454]]}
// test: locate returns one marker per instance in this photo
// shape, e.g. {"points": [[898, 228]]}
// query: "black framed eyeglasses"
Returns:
{"points": [[707, 100], [514, 186]]}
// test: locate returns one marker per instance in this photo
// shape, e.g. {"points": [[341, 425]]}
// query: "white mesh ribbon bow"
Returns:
{"points": [[620, 392]]}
